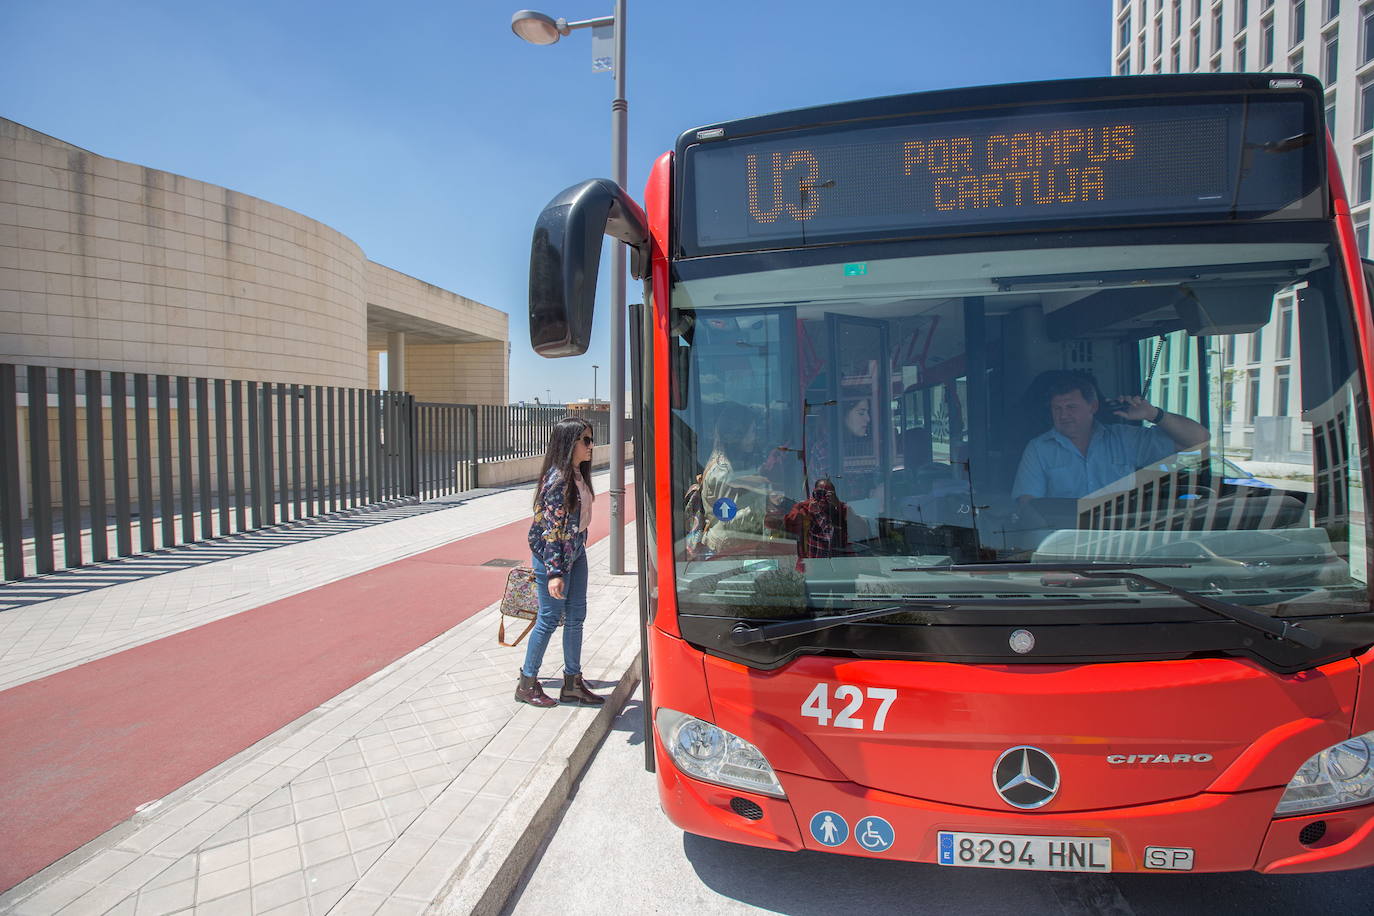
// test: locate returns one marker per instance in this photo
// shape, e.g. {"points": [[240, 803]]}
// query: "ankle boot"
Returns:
{"points": [[529, 691], [575, 691]]}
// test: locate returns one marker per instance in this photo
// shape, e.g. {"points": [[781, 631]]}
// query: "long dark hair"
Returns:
{"points": [[559, 456], [733, 423]]}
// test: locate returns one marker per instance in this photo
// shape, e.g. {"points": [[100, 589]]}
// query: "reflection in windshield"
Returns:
{"points": [[846, 426]]}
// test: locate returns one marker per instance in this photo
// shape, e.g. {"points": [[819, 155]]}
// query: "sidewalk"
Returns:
{"points": [[330, 723]]}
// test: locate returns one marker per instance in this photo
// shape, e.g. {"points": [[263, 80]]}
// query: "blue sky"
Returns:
{"points": [[432, 136]]}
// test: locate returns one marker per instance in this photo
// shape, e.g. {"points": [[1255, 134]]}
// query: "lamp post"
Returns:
{"points": [[542, 29], [594, 368]]}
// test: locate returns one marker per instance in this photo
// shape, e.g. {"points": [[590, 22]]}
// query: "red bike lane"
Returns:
{"points": [[81, 749]]}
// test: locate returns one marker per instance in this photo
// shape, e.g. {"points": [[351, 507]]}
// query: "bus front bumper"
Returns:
{"points": [[1219, 832]]}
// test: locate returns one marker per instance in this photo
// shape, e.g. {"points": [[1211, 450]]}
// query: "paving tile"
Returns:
{"points": [[170, 899], [141, 872], [353, 903], [218, 857], [51, 898], [237, 904], [279, 892], [184, 869], [95, 902], [342, 871], [216, 884], [363, 814], [324, 849], [275, 864]]}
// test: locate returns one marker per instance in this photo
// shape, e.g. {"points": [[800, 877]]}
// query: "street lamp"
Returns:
{"points": [[542, 29], [594, 368]]}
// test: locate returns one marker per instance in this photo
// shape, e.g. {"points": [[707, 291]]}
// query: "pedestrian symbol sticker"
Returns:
{"points": [[725, 508], [874, 834], [829, 828]]}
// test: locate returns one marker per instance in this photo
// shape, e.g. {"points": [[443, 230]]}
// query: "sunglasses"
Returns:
{"points": [[586, 440]]}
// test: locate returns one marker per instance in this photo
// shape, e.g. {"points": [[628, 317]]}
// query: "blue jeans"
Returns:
{"points": [[571, 609]]}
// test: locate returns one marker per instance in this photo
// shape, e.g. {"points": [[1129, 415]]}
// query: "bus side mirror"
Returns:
{"points": [[565, 255]]}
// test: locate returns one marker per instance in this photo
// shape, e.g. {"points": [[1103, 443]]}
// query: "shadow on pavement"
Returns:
{"points": [[80, 580], [630, 722]]}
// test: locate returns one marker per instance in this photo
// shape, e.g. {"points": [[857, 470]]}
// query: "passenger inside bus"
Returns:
{"points": [[733, 496]]}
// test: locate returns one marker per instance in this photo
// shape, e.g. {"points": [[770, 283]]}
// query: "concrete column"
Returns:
{"points": [[396, 361]]}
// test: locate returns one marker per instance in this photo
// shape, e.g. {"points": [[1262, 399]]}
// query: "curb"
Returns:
{"points": [[483, 883]]}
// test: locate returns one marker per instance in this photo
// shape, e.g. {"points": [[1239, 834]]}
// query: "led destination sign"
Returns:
{"points": [[1137, 163]]}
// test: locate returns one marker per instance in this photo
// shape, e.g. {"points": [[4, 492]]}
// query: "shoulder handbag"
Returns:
{"points": [[521, 600]]}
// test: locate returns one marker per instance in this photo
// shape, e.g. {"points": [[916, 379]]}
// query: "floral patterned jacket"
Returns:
{"points": [[556, 537]]}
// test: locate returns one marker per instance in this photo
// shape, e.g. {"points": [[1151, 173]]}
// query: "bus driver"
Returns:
{"points": [[1079, 455]]}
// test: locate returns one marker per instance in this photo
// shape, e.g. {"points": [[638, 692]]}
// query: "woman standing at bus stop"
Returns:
{"points": [[558, 545]]}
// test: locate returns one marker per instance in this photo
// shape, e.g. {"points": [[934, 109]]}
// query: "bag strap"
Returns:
{"points": [[501, 633]]}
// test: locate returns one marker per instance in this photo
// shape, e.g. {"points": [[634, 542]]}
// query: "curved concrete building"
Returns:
{"points": [[110, 265]]}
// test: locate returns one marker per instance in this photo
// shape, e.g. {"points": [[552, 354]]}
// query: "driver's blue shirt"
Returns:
{"points": [[1053, 467]]}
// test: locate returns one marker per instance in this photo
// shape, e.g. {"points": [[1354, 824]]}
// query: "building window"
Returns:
{"points": [[1183, 397], [1286, 329], [1266, 5], [1267, 45], [1256, 345], [1330, 56], [1174, 60], [1216, 29], [1367, 106], [1333, 9], [1331, 113], [1240, 56], [1282, 386], [1159, 33], [1252, 399], [1228, 356], [1140, 51], [1364, 176], [1178, 18], [1295, 63], [1362, 235], [1196, 40], [1299, 22], [1197, 10], [1125, 34], [1367, 34], [1123, 65], [1242, 14]]}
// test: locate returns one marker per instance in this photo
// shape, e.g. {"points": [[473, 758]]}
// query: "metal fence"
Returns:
{"points": [[506, 432], [127, 463]]}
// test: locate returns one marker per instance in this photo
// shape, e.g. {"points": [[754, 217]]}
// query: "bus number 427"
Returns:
{"points": [[817, 705]]}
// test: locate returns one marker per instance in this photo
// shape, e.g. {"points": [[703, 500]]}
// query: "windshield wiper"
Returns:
{"points": [[1281, 629], [742, 634], [1040, 567]]}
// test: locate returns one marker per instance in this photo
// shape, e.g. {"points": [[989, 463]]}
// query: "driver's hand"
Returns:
{"points": [[1135, 408]]}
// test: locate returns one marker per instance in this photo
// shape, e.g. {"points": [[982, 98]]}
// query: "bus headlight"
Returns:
{"points": [[1339, 777], [712, 754]]}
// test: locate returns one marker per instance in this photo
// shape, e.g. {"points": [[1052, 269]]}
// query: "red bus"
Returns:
{"points": [[1000, 464]]}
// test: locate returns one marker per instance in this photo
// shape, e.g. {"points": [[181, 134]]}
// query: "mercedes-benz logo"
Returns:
{"points": [[1025, 777], [1021, 641]]}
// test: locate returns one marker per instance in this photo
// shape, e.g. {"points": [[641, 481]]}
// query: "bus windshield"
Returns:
{"points": [[850, 423]]}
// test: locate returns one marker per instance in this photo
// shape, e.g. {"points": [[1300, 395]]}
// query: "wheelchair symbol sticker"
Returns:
{"points": [[829, 828], [874, 834], [725, 508]]}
